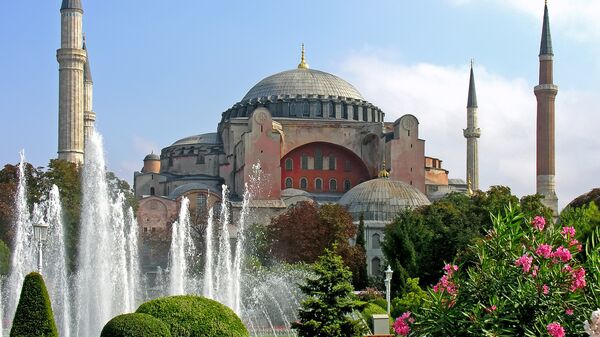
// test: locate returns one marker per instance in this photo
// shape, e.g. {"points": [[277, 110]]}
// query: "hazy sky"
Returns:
{"points": [[164, 70]]}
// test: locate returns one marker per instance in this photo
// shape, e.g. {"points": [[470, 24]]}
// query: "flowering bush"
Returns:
{"points": [[522, 279]]}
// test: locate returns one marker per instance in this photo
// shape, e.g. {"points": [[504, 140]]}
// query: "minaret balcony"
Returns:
{"points": [[472, 133]]}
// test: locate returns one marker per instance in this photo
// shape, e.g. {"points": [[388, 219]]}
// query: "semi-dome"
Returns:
{"points": [[302, 82], [207, 138], [382, 199]]}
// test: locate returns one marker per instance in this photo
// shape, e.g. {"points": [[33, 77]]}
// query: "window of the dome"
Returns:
{"points": [[347, 185], [289, 183], [376, 241], [289, 164], [304, 162], [303, 184], [331, 162], [318, 159]]}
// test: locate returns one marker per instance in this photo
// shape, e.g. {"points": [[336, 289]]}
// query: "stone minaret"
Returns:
{"points": [[472, 134], [71, 59], [545, 93], [89, 116]]}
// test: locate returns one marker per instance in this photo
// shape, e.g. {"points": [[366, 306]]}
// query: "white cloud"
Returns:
{"points": [[437, 96], [578, 19]]}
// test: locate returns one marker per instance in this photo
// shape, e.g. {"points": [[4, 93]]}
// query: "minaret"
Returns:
{"points": [[71, 59], [89, 116], [545, 93], [472, 134]]}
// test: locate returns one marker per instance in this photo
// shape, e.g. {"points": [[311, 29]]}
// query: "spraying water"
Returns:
{"points": [[103, 286], [208, 263], [23, 257], [182, 247]]}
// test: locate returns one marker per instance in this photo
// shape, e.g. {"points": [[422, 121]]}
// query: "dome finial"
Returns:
{"points": [[303, 64], [383, 173]]}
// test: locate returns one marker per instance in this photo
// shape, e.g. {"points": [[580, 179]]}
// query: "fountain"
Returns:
{"points": [[103, 282], [108, 280]]}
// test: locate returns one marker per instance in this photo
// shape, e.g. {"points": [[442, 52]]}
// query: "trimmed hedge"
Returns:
{"points": [[135, 325], [195, 316], [369, 310], [34, 313]]}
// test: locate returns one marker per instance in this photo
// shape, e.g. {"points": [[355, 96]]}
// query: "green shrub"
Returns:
{"points": [[195, 316], [369, 310], [135, 325], [34, 313], [381, 302]]}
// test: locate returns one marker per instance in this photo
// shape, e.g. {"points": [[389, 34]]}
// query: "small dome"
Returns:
{"points": [[152, 156], [303, 82], [382, 199]]}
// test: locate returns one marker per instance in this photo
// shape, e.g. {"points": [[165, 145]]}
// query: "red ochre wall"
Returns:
{"points": [[356, 173]]}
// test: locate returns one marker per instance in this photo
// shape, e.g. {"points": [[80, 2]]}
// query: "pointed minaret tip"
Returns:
{"points": [[472, 99], [546, 44], [303, 64]]}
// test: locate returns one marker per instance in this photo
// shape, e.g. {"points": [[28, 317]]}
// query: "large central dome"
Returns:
{"points": [[303, 82]]}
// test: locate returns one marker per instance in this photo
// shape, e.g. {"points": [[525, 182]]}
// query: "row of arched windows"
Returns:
{"points": [[316, 164], [318, 184]]}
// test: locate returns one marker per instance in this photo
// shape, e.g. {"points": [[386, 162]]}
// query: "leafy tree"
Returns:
{"points": [[360, 277], [34, 317], [302, 233], [585, 219], [412, 298], [325, 311], [4, 258]]}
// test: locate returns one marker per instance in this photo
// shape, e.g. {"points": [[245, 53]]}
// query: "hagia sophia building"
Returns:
{"points": [[309, 135]]}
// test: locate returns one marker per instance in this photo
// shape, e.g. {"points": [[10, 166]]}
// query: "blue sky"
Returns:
{"points": [[165, 70]]}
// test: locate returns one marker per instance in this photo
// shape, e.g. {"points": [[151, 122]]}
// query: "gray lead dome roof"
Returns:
{"points": [[303, 82], [382, 199]]}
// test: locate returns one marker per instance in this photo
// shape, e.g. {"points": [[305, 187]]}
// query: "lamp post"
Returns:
{"points": [[388, 287], [40, 234]]}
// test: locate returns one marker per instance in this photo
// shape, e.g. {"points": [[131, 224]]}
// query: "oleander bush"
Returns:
{"points": [[524, 278], [135, 325], [34, 317], [195, 316]]}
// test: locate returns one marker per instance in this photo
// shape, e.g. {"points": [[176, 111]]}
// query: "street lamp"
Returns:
{"points": [[40, 234], [388, 286]]}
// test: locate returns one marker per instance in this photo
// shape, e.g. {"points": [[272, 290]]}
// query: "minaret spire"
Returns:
{"points": [[472, 134], [545, 94], [303, 64]]}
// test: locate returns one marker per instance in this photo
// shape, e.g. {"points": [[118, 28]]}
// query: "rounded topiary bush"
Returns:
{"points": [[194, 316], [135, 325], [34, 313]]}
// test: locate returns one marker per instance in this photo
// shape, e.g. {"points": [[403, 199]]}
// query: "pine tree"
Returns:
{"points": [[325, 311]]}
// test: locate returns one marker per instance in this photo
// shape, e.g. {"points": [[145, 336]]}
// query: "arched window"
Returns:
{"points": [[331, 162], [318, 184], [303, 183], [375, 266], [304, 162], [347, 185], [200, 159], [288, 182], [201, 203], [289, 164], [318, 160], [332, 185], [376, 241], [151, 190]]}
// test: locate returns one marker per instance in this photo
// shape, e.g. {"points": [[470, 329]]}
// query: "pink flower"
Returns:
{"points": [[555, 330], [544, 250], [525, 262], [450, 269], [545, 289], [534, 271], [578, 281], [569, 312], [401, 324], [562, 254], [568, 232], [539, 223], [491, 309]]}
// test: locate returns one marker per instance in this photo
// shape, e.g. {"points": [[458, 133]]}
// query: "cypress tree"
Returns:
{"points": [[34, 317]]}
